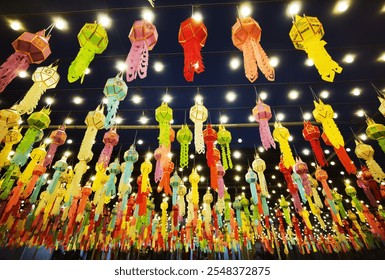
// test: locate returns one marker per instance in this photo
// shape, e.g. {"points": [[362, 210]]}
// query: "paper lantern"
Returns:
{"points": [[376, 131], [110, 188], [366, 152], [286, 210], [259, 166], [224, 139], [164, 184], [381, 98], [366, 177], [58, 138], [29, 48], [252, 178], [8, 118], [37, 122], [293, 189], [130, 157], [115, 91], [302, 170], [352, 192], [192, 36], [331, 135], [94, 121], [93, 40], [175, 182], [207, 200], [143, 37], [194, 180], [306, 34], [281, 135], [12, 137], [163, 115], [145, 170], [182, 190], [246, 35], [184, 137], [262, 115], [44, 78], [221, 183], [198, 115], [298, 182], [322, 176], [312, 134], [210, 136]]}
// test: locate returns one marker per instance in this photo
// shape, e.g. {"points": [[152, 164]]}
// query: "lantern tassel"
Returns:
{"points": [[198, 139], [376, 171], [249, 62], [78, 67], [263, 61], [137, 61], [15, 63], [266, 138], [317, 150], [345, 160], [31, 98], [112, 108], [25, 146]]}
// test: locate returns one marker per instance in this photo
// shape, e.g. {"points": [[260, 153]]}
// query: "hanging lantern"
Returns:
{"points": [[198, 114], [259, 166], [302, 170], [192, 36], [281, 135], [324, 114], [130, 157], [221, 183], [322, 176], [29, 48], [8, 118], [207, 200], [209, 136], [376, 132], [58, 138], [182, 190], [114, 169], [252, 178], [194, 180], [12, 137], [224, 139], [351, 191], [293, 189], [312, 134], [381, 98], [93, 40], [94, 121], [175, 182], [37, 122], [145, 170], [306, 34], [262, 115], [115, 91], [143, 37], [184, 137], [164, 184], [366, 152], [163, 115], [286, 210], [368, 180], [246, 35], [44, 78]]}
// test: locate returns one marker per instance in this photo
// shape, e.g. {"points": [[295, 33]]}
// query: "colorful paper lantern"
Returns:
{"points": [[93, 40], [44, 78], [306, 34], [143, 37], [252, 178], [198, 115], [376, 131], [322, 176], [262, 114], [164, 183], [29, 48], [352, 192], [221, 183], [145, 170], [184, 137], [130, 157], [12, 137], [224, 139], [246, 35], [115, 91], [8, 118], [259, 166], [281, 135], [163, 115], [312, 134], [192, 36], [58, 137], [366, 152], [194, 180]]}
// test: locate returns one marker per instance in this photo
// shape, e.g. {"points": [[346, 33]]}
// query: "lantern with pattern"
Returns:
{"points": [[312, 134], [376, 131], [224, 139], [163, 115], [281, 135], [8, 118], [262, 115], [184, 137], [198, 114], [366, 152]]}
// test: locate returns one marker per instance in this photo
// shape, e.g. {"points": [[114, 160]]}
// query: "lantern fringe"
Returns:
{"points": [[137, 61], [15, 63]]}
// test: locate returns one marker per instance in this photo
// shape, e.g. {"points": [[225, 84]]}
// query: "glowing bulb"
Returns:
{"points": [[197, 16], [158, 66], [148, 15], [87, 71], [324, 94], [231, 96], [237, 154], [49, 100], [167, 98], [23, 74], [77, 100], [307, 116], [235, 62], [68, 120], [341, 6], [349, 58], [136, 99], [15, 25], [198, 98], [60, 23], [262, 95], [245, 10], [356, 91], [224, 119], [104, 20], [143, 120], [280, 116], [293, 94], [293, 8], [120, 66], [140, 142], [360, 113], [251, 118], [70, 141], [274, 61], [309, 62], [306, 152]]}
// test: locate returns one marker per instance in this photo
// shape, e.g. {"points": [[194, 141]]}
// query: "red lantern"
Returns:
{"points": [[165, 181], [312, 134], [192, 36], [210, 136]]}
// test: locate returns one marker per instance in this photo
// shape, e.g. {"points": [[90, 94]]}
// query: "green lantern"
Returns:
{"points": [[184, 137], [376, 131], [224, 139], [163, 115], [352, 192]]}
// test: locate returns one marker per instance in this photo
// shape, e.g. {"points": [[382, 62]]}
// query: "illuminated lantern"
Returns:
{"points": [[366, 152], [114, 169], [194, 180], [143, 37], [182, 190], [286, 210], [93, 40], [10, 177], [210, 136], [207, 200], [293, 189], [184, 137], [175, 182], [8, 118], [252, 178], [145, 169], [130, 157], [376, 131], [12, 137], [381, 98], [367, 178], [322, 177], [262, 115], [165, 181], [192, 36], [312, 134], [331, 135], [246, 35], [115, 90], [37, 122], [94, 121], [306, 34], [198, 115], [163, 115], [58, 138], [281, 135], [29, 48], [224, 139], [259, 166], [302, 170], [44, 78], [351, 191]]}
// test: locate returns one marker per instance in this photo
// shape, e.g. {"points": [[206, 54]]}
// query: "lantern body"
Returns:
{"points": [[115, 87], [47, 75], [143, 30], [93, 36], [35, 45]]}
